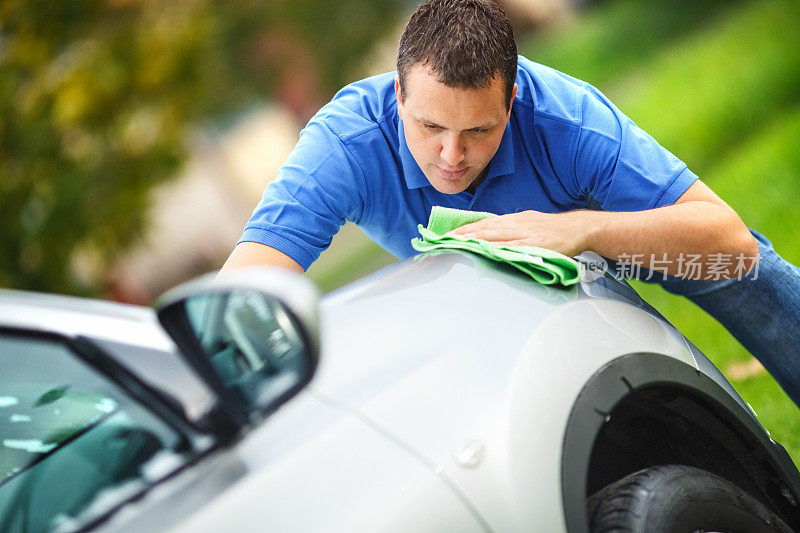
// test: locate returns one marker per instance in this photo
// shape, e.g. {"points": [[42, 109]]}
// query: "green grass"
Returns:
{"points": [[610, 38], [363, 258], [711, 91], [761, 180], [697, 77]]}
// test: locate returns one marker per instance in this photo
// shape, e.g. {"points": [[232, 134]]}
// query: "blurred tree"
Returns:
{"points": [[95, 97]]}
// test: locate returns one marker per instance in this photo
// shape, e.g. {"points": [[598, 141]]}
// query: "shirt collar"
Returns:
{"points": [[502, 162]]}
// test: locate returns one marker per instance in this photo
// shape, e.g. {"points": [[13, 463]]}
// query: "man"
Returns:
{"points": [[466, 123]]}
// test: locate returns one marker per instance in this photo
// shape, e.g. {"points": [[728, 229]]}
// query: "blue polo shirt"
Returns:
{"points": [[565, 147]]}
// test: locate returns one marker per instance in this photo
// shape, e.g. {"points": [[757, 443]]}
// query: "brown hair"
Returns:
{"points": [[465, 42]]}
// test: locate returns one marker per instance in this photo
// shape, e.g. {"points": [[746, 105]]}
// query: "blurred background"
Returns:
{"points": [[136, 136]]}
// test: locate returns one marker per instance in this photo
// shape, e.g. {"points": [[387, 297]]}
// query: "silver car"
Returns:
{"points": [[442, 393]]}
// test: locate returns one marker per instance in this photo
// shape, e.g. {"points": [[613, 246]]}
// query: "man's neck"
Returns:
{"points": [[477, 181]]}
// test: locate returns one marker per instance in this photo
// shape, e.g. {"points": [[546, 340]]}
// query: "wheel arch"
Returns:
{"points": [[646, 409]]}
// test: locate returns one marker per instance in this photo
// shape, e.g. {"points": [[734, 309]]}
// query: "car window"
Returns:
{"points": [[69, 434]]}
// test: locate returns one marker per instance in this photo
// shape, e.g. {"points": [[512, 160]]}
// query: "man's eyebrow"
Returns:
{"points": [[485, 126], [425, 121], [433, 123]]}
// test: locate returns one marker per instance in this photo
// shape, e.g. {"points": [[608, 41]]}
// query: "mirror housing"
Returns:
{"points": [[252, 336]]}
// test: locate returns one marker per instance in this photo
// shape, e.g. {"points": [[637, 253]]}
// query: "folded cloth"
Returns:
{"points": [[545, 266]]}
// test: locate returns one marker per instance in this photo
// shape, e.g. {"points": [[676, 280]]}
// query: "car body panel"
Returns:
{"points": [[445, 379], [310, 467], [71, 316]]}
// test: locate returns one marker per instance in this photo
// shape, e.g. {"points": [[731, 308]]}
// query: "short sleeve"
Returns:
{"points": [[619, 165], [315, 192]]}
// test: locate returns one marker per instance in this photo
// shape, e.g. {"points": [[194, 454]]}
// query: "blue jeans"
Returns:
{"points": [[762, 313]]}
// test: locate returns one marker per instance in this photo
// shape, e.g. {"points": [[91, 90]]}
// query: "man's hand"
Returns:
{"points": [[698, 237], [563, 232]]}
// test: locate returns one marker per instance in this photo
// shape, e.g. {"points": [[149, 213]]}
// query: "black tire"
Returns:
{"points": [[678, 499]]}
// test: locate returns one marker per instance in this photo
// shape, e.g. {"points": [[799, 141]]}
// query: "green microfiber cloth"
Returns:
{"points": [[544, 266]]}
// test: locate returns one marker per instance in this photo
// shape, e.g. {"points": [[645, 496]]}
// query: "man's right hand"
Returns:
{"points": [[251, 254]]}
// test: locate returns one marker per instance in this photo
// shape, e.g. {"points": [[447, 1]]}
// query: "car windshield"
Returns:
{"points": [[69, 435]]}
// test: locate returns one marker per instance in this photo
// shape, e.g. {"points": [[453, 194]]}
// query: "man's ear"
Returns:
{"points": [[513, 95], [397, 92]]}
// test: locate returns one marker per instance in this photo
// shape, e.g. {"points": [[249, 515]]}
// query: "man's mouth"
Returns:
{"points": [[451, 174]]}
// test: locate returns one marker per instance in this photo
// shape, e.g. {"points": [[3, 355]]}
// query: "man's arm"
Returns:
{"points": [[699, 227], [252, 253], [318, 188]]}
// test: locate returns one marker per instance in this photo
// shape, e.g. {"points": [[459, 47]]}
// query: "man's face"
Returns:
{"points": [[452, 133]]}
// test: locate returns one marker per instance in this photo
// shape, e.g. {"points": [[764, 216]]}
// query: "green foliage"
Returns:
{"points": [[88, 122], [95, 97], [332, 34]]}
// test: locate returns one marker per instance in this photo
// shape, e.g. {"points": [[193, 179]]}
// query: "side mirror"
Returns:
{"points": [[251, 335]]}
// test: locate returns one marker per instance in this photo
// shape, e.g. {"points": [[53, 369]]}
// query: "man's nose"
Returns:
{"points": [[453, 150]]}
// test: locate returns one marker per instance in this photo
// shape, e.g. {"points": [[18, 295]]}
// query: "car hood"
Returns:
{"points": [[461, 307]]}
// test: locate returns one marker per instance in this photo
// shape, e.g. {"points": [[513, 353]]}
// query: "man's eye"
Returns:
{"points": [[431, 126], [479, 130]]}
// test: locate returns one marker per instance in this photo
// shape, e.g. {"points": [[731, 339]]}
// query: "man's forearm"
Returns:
{"points": [[247, 254], [698, 240]]}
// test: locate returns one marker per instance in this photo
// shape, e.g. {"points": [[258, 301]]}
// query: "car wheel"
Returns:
{"points": [[678, 498]]}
